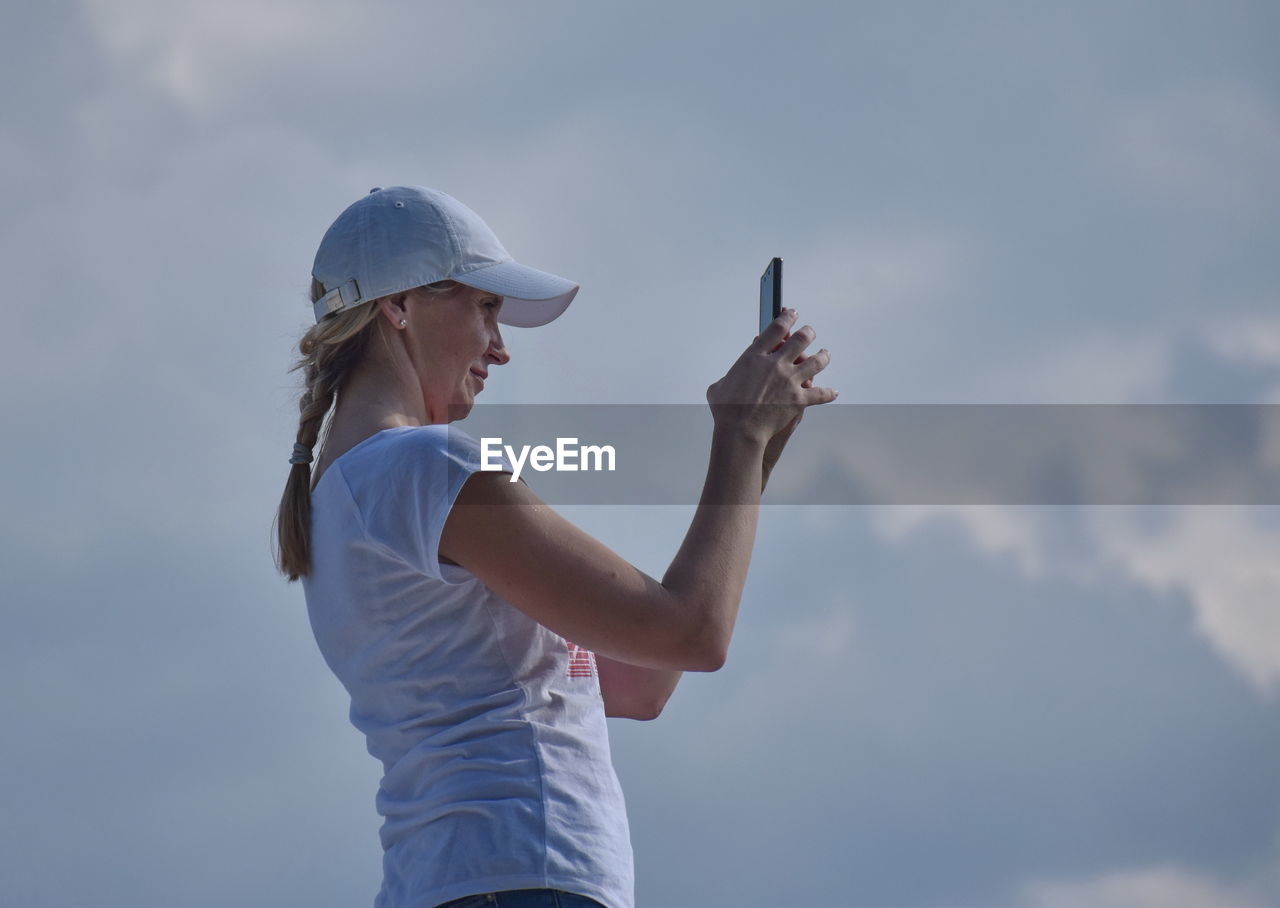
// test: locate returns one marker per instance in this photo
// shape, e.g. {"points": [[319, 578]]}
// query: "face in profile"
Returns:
{"points": [[454, 340]]}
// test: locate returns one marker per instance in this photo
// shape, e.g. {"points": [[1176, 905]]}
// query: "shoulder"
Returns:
{"points": [[413, 443], [405, 460], [442, 444]]}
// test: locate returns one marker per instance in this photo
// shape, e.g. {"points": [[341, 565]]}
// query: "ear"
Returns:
{"points": [[394, 308]]}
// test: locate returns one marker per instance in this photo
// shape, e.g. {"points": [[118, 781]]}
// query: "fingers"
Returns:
{"points": [[819, 396], [776, 332], [790, 347], [800, 339], [809, 366]]}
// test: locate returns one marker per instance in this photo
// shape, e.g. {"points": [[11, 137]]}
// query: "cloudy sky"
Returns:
{"points": [[987, 202]]}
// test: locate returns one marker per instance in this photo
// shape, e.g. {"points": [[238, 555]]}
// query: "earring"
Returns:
{"points": [[403, 323]]}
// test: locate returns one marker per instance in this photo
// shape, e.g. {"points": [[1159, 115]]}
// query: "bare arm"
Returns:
{"points": [[576, 586]]}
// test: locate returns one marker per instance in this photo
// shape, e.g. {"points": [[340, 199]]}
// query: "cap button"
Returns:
{"points": [[375, 189]]}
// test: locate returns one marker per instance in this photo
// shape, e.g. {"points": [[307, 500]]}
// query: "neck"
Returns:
{"points": [[383, 392]]}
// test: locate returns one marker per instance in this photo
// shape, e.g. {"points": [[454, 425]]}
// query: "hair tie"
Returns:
{"points": [[301, 454]]}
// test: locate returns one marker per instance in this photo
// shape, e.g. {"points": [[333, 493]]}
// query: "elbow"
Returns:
{"points": [[698, 652], [710, 657], [697, 637], [715, 650], [653, 708], [715, 661], [640, 711], [646, 715]]}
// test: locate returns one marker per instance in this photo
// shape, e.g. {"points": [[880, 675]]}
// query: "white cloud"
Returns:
{"points": [[1223, 560], [1253, 339], [1153, 887], [345, 61], [177, 48], [1013, 533], [202, 56]]}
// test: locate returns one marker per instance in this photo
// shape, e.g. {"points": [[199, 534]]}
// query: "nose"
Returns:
{"points": [[497, 350]]}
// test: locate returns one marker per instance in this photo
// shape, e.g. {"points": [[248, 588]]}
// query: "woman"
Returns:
{"points": [[444, 598]]}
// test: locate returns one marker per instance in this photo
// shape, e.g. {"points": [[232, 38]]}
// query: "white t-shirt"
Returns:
{"points": [[489, 726]]}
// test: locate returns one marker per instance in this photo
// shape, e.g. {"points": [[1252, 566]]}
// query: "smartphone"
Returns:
{"points": [[770, 293]]}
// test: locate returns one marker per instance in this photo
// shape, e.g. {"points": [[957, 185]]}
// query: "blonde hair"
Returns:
{"points": [[330, 353]]}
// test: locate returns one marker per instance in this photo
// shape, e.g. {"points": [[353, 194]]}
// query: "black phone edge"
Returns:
{"points": [[775, 304]]}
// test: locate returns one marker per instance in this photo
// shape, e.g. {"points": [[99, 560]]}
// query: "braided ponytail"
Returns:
{"points": [[329, 351]]}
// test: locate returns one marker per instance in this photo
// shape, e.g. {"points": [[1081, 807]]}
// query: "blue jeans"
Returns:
{"points": [[524, 898]]}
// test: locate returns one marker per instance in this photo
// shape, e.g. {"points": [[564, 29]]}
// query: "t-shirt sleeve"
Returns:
{"points": [[420, 477]]}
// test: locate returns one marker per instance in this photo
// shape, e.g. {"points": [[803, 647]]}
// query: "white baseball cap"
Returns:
{"points": [[403, 237]]}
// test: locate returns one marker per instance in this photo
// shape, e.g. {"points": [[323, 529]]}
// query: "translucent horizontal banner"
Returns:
{"points": [[864, 454]]}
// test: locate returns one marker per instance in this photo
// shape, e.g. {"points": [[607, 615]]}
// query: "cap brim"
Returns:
{"points": [[530, 297]]}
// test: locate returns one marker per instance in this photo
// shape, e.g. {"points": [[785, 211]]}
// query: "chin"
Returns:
{"points": [[459, 410]]}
